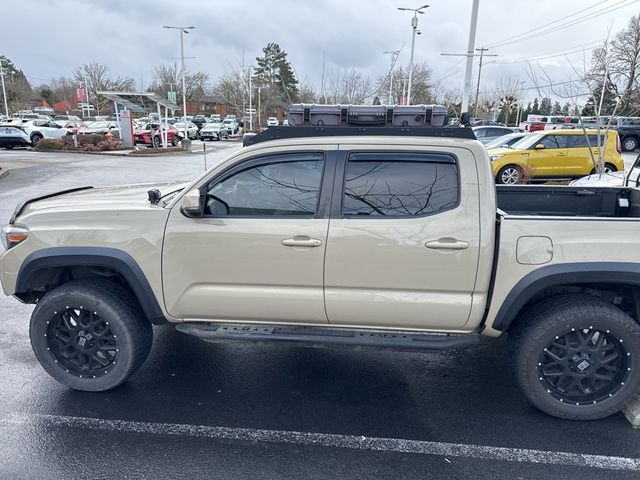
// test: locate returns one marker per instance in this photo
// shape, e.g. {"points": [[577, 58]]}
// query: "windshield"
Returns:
{"points": [[500, 141], [527, 142], [100, 125]]}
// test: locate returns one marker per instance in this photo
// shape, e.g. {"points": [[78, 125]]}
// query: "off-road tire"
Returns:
{"points": [[116, 306], [555, 317]]}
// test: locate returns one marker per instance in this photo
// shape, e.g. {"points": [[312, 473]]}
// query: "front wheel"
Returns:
{"points": [[509, 175], [90, 335], [175, 140], [577, 357], [35, 139], [156, 142]]}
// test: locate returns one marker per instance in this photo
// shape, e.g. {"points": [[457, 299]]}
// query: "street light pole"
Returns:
{"points": [[394, 56], [183, 30], [414, 26], [4, 91], [250, 100]]}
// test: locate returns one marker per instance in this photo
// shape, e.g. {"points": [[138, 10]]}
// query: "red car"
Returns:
{"points": [[149, 134]]}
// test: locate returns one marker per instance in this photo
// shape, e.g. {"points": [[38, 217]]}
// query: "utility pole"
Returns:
{"points": [[183, 30], [394, 57], [4, 91], [470, 50], [414, 26], [481, 55]]}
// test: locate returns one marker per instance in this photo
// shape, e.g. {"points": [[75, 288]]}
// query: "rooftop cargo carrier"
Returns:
{"points": [[300, 114], [361, 120]]}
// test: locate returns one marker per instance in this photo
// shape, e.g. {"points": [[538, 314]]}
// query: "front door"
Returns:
{"points": [[403, 240], [257, 252], [550, 161]]}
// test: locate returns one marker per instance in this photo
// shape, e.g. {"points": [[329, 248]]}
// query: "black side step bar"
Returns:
{"points": [[322, 336]]}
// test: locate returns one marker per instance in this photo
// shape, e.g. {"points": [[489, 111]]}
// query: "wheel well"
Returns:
{"points": [[46, 279], [624, 296]]}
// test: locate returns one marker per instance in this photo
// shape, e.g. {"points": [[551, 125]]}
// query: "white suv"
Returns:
{"points": [[272, 122]]}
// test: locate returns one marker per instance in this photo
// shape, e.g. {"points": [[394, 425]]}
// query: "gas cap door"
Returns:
{"points": [[534, 250]]}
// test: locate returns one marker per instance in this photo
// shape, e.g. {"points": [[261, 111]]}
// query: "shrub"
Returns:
{"points": [[47, 144], [92, 139]]}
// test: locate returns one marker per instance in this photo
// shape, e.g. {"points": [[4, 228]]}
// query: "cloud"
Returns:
{"points": [[128, 35]]}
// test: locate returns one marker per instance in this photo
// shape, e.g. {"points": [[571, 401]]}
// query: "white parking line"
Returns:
{"points": [[332, 440]]}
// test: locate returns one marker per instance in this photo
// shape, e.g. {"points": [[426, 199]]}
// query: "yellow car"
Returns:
{"points": [[555, 154]]}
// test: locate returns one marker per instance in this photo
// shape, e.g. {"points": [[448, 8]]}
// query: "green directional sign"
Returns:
{"points": [[171, 96]]}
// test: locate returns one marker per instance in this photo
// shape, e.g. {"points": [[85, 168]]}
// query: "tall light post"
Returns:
{"points": [[414, 26], [183, 30], [394, 56], [4, 91]]}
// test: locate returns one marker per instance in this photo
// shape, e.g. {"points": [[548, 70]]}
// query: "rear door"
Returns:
{"points": [[403, 240]]}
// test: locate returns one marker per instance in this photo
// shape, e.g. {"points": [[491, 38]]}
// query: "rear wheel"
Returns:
{"points": [[90, 335], [609, 167], [509, 175], [630, 144], [576, 357], [175, 140]]}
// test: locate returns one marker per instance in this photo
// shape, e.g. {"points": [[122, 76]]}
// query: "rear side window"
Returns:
{"points": [[580, 141], [400, 185]]}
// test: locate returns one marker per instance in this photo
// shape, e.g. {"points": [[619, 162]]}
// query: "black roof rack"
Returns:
{"points": [[281, 132]]}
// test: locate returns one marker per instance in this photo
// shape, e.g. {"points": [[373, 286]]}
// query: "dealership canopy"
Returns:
{"points": [[139, 101]]}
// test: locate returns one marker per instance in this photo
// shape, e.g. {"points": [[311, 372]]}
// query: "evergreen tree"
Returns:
{"points": [[535, 109], [17, 86], [567, 110], [545, 106], [275, 72], [557, 109]]}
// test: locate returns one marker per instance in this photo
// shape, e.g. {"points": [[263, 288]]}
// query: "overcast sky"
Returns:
{"points": [[49, 38]]}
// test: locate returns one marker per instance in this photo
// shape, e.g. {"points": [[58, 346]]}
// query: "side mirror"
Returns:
{"points": [[190, 204], [539, 146]]}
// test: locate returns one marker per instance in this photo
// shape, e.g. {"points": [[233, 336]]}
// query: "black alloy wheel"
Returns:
{"points": [[82, 343], [584, 366]]}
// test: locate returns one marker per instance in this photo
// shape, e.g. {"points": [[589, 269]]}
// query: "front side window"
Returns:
{"points": [[400, 184], [551, 141], [289, 187]]}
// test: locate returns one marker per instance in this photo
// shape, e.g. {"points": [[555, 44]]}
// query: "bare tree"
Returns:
{"points": [[347, 86], [231, 90], [421, 84], [620, 60], [97, 77], [168, 78]]}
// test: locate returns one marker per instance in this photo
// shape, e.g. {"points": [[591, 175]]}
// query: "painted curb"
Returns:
{"points": [[632, 411]]}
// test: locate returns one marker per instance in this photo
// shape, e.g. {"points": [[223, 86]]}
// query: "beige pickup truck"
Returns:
{"points": [[333, 236]]}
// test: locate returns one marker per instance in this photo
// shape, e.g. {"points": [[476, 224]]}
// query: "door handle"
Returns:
{"points": [[447, 244], [301, 241]]}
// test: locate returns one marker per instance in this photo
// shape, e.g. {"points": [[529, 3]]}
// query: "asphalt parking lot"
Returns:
{"points": [[196, 410]]}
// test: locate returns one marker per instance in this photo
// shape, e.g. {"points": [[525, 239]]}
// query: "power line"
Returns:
{"points": [[569, 23], [546, 24], [560, 53]]}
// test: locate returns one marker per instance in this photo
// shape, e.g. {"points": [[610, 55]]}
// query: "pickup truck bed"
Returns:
{"points": [[563, 201]]}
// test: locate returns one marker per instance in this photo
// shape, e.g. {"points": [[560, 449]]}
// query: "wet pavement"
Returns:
{"points": [[196, 410]]}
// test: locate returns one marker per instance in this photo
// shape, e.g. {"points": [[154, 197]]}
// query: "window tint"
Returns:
{"points": [[409, 185], [290, 187], [498, 132]]}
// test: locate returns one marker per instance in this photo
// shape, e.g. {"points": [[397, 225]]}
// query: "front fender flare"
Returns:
{"points": [[114, 258]]}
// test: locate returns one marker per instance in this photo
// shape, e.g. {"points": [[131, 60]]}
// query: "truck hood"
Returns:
{"points": [[119, 197]]}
